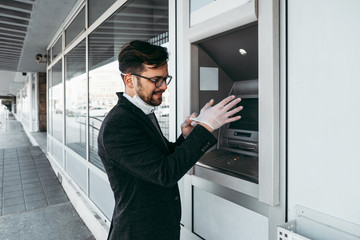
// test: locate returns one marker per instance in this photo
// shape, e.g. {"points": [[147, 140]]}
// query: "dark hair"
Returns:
{"points": [[135, 54]]}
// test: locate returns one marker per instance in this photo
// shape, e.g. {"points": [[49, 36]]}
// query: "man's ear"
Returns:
{"points": [[128, 81]]}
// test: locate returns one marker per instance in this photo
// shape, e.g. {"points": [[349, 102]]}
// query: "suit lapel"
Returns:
{"points": [[154, 134]]}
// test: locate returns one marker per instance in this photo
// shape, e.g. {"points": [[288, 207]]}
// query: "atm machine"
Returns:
{"points": [[233, 57], [231, 48], [236, 153]]}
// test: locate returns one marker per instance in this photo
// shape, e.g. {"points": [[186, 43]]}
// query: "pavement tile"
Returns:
{"points": [[43, 164], [11, 178], [11, 160], [13, 194], [30, 170], [48, 172], [12, 189], [10, 166], [23, 153], [35, 197], [55, 194], [57, 200], [14, 201], [41, 157], [10, 156], [23, 172], [14, 167], [32, 191], [10, 152], [44, 169], [30, 180], [22, 148], [51, 182], [37, 154], [31, 185], [29, 164], [26, 161], [49, 177], [12, 183], [8, 173], [29, 175], [36, 204], [13, 209], [52, 188]]}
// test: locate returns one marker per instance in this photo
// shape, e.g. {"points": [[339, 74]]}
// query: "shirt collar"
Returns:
{"points": [[138, 102]]}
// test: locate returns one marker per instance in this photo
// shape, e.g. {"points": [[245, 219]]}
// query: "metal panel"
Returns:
{"points": [[216, 218], [269, 95], [101, 194], [57, 151], [324, 116], [76, 168]]}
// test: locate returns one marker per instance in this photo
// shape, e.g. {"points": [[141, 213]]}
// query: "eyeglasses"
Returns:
{"points": [[158, 81]]}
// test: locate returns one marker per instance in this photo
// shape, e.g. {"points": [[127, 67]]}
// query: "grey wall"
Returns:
{"points": [[323, 107]]}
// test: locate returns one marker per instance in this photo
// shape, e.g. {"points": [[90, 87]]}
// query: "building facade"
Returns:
{"points": [[281, 57]]}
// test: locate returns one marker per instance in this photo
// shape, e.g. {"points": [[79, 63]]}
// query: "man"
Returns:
{"points": [[143, 167]]}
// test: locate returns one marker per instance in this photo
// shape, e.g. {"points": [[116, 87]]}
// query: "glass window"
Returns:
{"points": [[96, 8], [204, 10], [137, 19], [197, 4], [57, 48], [75, 28], [57, 102], [50, 107], [76, 99]]}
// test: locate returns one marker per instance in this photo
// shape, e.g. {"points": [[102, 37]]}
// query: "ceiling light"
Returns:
{"points": [[242, 52]]}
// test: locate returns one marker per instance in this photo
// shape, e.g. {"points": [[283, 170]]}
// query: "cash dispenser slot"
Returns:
{"points": [[247, 146], [236, 153]]}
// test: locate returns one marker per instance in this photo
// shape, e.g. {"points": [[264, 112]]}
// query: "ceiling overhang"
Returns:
{"points": [[26, 29]]}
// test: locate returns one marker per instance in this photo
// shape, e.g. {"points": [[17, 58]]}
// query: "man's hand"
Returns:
{"points": [[218, 115], [186, 126]]}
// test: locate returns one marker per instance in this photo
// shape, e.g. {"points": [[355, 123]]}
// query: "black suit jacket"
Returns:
{"points": [[143, 172]]}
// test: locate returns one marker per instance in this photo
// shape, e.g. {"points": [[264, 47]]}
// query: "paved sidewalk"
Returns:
{"points": [[33, 205], [12, 133]]}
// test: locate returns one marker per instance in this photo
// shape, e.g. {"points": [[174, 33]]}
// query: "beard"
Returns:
{"points": [[151, 99]]}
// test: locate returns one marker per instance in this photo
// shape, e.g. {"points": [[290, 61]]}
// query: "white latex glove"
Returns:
{"points": [[219, 114], [186, 126]]}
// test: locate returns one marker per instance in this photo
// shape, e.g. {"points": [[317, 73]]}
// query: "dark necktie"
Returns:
{"points": [[153, 119]]}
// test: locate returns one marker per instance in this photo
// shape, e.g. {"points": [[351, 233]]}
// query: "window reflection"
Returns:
{"points": [[57, 48], [49, 107], [104, 82], [96, 8], [75, 28], [137, 19], [57, 102], [76, 99]]}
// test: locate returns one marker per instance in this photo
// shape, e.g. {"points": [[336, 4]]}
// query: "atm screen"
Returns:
{"points": [[249, 115]]}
